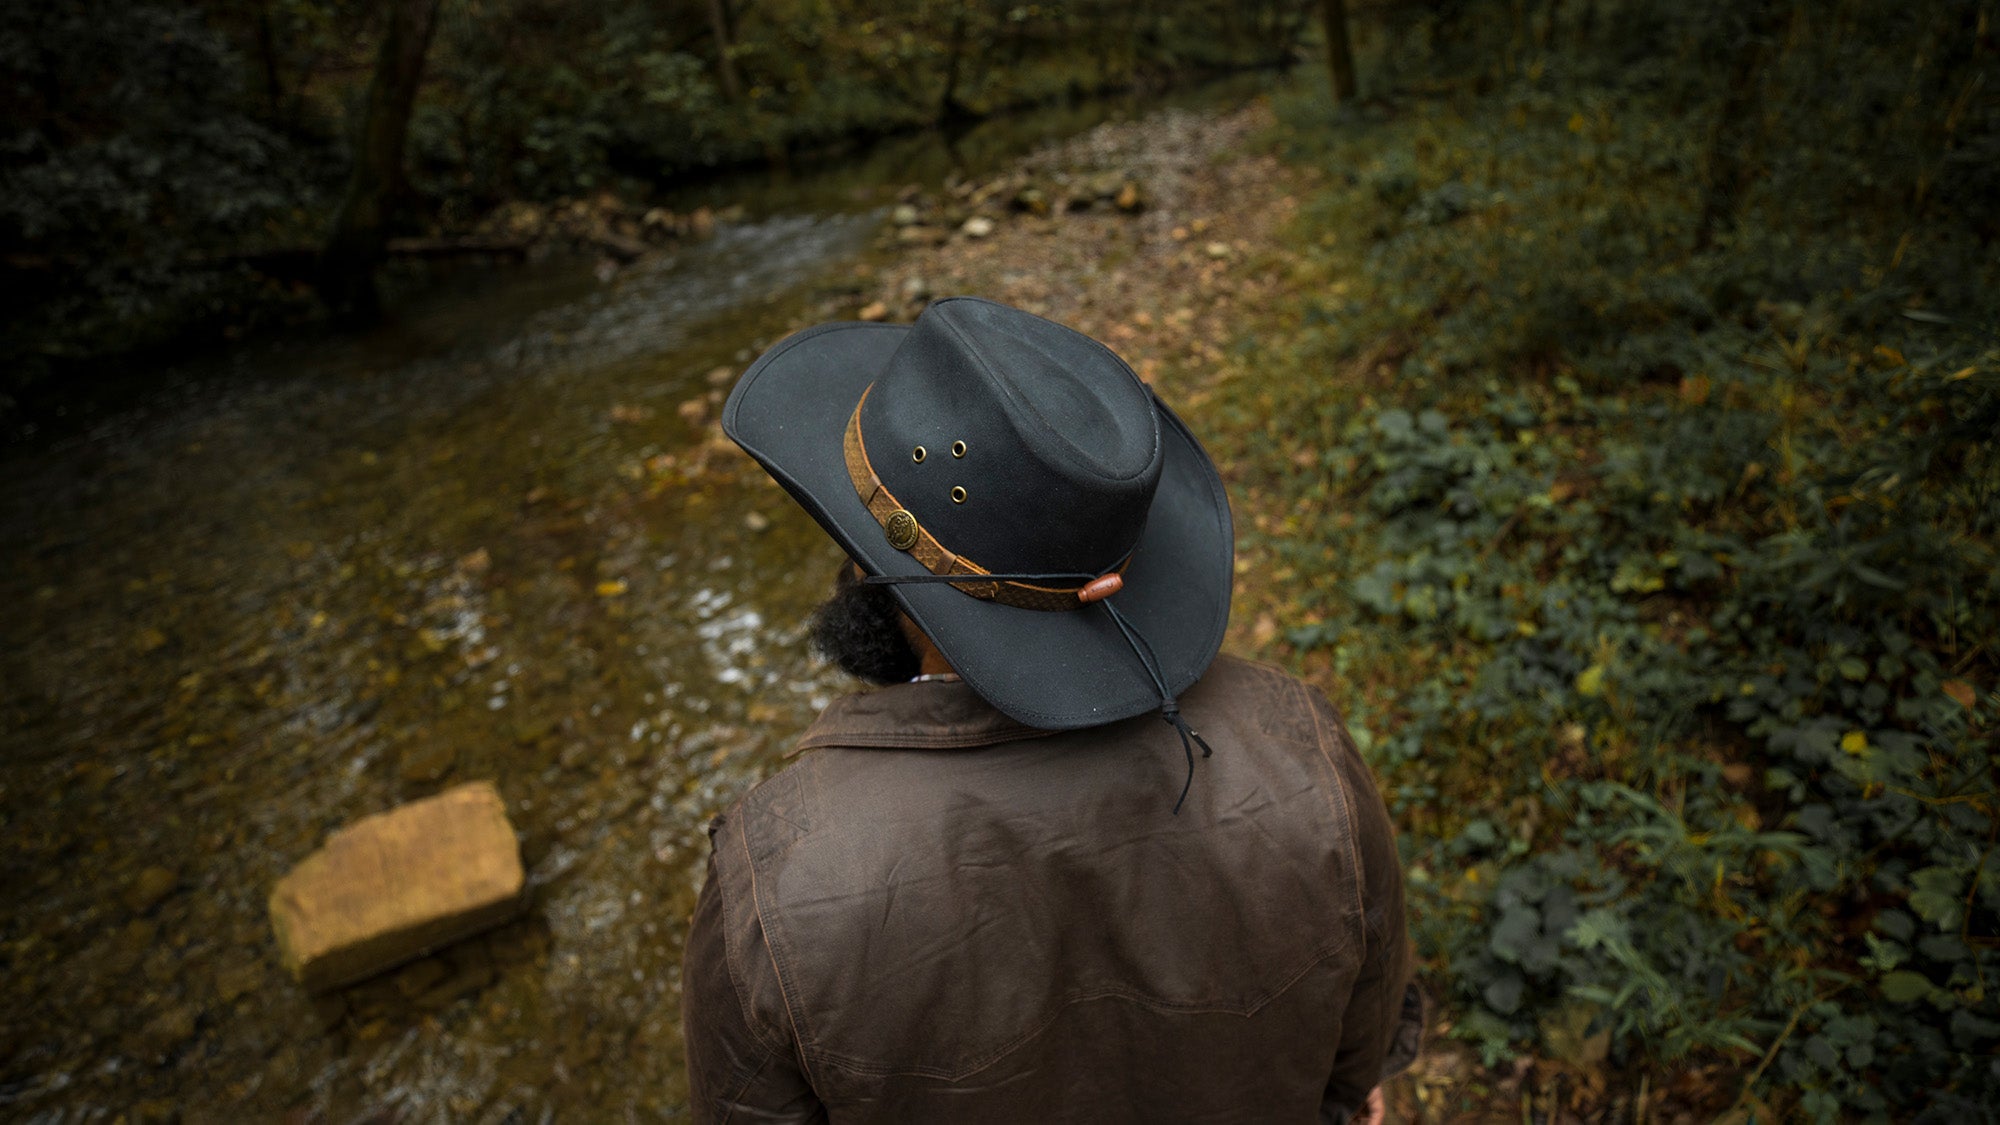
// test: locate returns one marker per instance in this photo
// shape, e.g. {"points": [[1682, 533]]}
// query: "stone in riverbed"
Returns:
{"points": [[146, 891], [428, 762], [396, 885]]}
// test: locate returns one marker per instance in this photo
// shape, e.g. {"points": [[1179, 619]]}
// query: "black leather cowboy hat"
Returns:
{"points": [[983, 440]]}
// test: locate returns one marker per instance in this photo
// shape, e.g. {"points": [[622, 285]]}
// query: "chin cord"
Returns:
{"points": [[1170, 710]]}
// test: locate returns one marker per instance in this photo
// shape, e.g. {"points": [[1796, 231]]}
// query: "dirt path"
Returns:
{"points": [[1168, 278]]}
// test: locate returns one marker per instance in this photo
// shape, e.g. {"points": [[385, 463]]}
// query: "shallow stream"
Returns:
{"points": [[306, 581]]}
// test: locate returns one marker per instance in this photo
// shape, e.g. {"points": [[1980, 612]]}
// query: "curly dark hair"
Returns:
{"points": [[860, 631]]}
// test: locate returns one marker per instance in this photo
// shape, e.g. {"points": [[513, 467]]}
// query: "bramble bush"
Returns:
{"points": [[1646, 459]]}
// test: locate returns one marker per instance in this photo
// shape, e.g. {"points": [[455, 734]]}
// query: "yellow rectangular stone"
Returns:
{"points": [[397, 885]]}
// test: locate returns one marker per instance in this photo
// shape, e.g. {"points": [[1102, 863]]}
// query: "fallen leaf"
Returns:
{"points": [[615, 588], [1590, 681], [1962, 692], [1854, 742]]}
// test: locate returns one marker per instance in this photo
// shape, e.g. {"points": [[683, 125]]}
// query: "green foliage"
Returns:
{"points": [[128, 161], [1666, 517]]}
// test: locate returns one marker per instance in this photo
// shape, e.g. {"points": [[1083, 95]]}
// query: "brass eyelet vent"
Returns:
{"points": [[957, 494], [918, 455], [958, 449]]}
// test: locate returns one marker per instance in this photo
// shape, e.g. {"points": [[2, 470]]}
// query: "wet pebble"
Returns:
{"points": [[130, 946], [417, 978], [237, 980], [155, 1111], [428, 762], [151, 885], [163, 965], [166, 1032], [757, 522], [471, 969]]}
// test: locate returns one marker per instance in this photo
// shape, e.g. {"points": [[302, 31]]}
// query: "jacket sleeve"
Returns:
{"points": [[740, 1069], [1382, 1026]]}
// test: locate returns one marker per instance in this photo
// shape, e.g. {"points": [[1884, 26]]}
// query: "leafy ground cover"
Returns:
{"points": [[1628, 472], [1608, 405]]}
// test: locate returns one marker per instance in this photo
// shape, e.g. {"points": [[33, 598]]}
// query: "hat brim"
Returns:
{"points": [[1052, 670]]}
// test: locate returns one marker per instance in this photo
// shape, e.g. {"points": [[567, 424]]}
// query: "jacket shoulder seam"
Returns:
{"points": [[771, 952], [1328, 741], [731, 961]]}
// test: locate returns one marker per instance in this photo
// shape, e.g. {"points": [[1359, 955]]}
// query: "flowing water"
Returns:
{"points": [[305, 582]]}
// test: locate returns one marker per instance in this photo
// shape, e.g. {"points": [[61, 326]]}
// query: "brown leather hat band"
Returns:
{"points": [[906, 534]]}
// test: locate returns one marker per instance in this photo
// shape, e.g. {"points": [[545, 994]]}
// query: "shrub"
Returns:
{"points": [[1660, 534]]}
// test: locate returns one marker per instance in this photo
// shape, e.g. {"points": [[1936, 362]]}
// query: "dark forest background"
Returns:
{"points": [[178, 168]]}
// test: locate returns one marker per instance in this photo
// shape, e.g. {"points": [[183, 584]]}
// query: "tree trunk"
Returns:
{"points": [[1339, 49], [361, 229], [267, 51], [1725, 173], [725, 66], [950, 109]]}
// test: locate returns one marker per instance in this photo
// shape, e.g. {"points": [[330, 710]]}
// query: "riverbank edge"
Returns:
{"points": [[45, 388]]}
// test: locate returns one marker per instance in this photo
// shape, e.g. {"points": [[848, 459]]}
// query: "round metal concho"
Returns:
{"points": [[901, 528]]}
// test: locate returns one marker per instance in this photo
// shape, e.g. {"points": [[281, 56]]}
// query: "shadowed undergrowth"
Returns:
{"points": [[1634, 415]]}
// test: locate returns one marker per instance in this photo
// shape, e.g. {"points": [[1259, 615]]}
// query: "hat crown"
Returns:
{"points": [[1018, 444]]}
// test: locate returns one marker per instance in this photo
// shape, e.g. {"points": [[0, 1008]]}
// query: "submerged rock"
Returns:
{"points": [[430, 762], [396, 885], [146, 891]]}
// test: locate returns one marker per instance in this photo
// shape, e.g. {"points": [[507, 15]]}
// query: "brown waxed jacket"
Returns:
{"points": [[940, 915]]}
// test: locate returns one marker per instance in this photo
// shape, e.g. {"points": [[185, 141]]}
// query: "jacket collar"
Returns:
{"points": [[926, 716]]}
